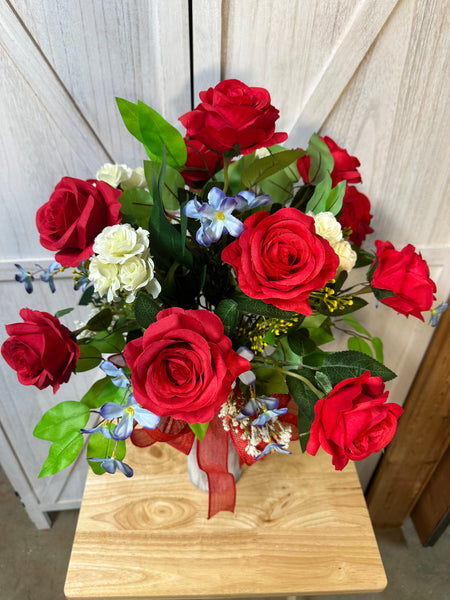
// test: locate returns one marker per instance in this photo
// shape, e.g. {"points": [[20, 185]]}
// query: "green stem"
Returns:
{"points": [[226, 164], [313, 388]]}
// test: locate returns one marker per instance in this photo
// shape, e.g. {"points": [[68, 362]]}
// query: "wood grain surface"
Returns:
{"points": [[299, 528]]}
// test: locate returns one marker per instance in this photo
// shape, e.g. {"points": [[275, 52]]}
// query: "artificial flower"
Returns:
{"points": [[345, 166]]}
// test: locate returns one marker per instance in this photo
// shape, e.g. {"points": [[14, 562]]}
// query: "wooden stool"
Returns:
{"points": [[299, 528]]}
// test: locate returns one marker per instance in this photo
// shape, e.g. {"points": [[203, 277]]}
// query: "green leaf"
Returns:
{"points": [[269, 381], [269, 165], [355, 324], [360, 345], [108, 342], [101, 447], [62, 453], [300, 342], [335, 198], [322, 162], [306, 400], [89, 358], [199, 429], [228, 313], [87, 296], [100, 321], [158, 134], [321, 307], [100, 392], [363, 258], [145, 310], [172, 182], [382, 294], [129, 112], [280, 185], [347, 364], [318, 201], [62, 419], [137, 203], [378, 347], [324, 382], [258, 307], [62, 312], [320, 335]]}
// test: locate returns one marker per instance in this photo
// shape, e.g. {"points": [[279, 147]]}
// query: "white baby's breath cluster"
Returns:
{"points": [[122, 175], [273, 431], [328, 227], [122, 263]]}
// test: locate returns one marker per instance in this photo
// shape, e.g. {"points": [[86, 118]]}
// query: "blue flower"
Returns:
{"points": [[127, 414], [435, 313], [48, 274], [247, 200], [215, 217], [248, 377], [25, 277], [103, 429], [111, 464], [118, 377], [265, 406], [270, 448]]}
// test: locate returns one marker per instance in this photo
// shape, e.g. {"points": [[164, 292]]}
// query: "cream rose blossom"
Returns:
{"points": [[136, 179], [104, 276], [114, 174], [328, 227], [347, 256], [118, 243], [137, 273]]}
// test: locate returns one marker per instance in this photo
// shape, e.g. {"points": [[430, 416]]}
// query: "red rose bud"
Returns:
{"points": [[406, 274], [40, 349], [345, 166], [75, 214], [354, 420], [280, 259], [233, 115], [184, 366], [201, 164], [355, 215]]}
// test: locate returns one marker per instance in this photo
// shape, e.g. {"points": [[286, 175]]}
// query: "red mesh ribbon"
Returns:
{"points": [[212, 456], [172, 431]]}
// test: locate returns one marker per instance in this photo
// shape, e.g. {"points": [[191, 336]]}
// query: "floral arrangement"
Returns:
{"points": [[216, 274]]}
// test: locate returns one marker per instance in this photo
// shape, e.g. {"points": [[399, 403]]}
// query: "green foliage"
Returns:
{"points": [[306, 400], [347, 364], [108, 342], [262, 168], [86, 297], [64, 418], [326, 198], [300, 342], [90, 357], [145, 310], [101, 447], [199, 429], [172, 182], [138, 203], [62, 312], [258, 307], [228, 312], [378, 347], [269, 381], [152, 130], [344, 309], [100, 321], [324, 382], [100, 392], [360, 345], [363, 258], [62, 453], [322, 162]]}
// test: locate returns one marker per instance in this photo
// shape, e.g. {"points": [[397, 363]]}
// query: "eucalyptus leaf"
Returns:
{"points": [[61, 419], [62, 453]]}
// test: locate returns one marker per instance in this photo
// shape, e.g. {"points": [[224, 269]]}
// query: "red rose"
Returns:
{"points": [[75, 214], [355, 215], [280, 259], [406, 274], [233, 114], [184, 366], [201, 164], [345, 166], [354, 420], [40, 349]]}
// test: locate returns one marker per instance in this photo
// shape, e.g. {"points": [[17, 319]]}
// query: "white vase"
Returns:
{"points": [[199, 477]]}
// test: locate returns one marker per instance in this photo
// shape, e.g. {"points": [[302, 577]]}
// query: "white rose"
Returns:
{"points": [[114, 174], [118, 243], [262, 153], [136, 273], [135, 180], [104, 276], [328, 227], [347, 256]]}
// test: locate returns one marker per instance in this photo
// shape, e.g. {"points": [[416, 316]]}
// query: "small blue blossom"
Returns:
{"points": [[127, 414], [247, 200], [265, 406], [103, 429], [111, 464], [248, 377], [215, 217], [270, 448], [118, 377], [25, 277], [81, 278], [48, 274], [435, 313]]}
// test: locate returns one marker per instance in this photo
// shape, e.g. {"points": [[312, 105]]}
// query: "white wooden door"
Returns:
{"points": [[369, 73], [62, 64]]}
